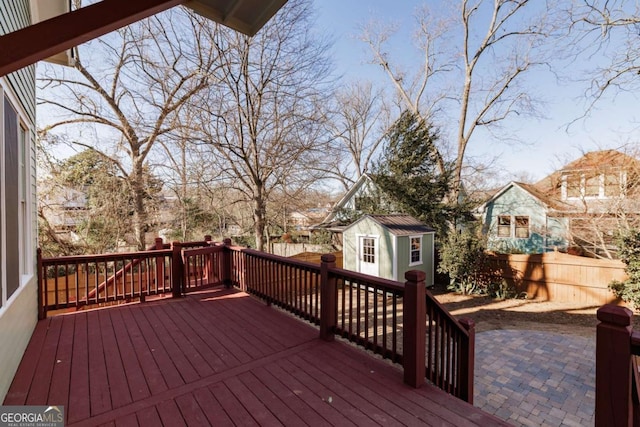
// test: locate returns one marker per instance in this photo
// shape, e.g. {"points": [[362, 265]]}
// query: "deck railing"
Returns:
{"points": [[617, 375], [77, 281], [400, 321]]}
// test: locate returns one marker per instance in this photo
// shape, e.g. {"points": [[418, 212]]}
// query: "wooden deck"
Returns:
{"points": [[217, 357]]}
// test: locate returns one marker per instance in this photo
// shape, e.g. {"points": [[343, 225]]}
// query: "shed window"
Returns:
{"points": [[504, 226], [415, 250]]}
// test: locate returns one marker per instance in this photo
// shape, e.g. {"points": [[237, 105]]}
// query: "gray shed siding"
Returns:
{"points": [[369, 228], [393, 251], [404, 260]]}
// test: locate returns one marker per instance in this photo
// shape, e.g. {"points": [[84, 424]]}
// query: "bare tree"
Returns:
{"points": [[128, 87], [357, 128], [480, 74], [607, 32], [264, 112]]}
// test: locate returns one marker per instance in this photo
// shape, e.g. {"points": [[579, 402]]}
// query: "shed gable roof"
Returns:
{"points": [[397, 224]]}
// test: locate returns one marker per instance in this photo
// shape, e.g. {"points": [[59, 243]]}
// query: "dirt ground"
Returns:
{"points": [[489, 314]]}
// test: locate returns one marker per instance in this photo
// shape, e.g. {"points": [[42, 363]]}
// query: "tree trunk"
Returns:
{"points": [[139, 211], [259, 221]]}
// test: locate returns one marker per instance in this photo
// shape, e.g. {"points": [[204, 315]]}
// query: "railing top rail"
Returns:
{"points": [[195, 244], [288, 261], [377, 281], [203, 250], [69, 259]]}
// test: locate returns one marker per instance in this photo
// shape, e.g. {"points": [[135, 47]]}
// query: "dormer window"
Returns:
{"points": [[593, 185]]}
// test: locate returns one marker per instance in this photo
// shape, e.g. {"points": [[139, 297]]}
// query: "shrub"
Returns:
{"points": [[629, 290], [462, 257]]}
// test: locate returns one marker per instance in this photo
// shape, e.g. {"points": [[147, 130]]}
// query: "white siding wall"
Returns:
{"points": [[18, 314]]}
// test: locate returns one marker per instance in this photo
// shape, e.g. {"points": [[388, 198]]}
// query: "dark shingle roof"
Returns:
{"points": [[401, 225]]}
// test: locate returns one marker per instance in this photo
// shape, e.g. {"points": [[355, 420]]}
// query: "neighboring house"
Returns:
{"points": [[63, 207], [387, 246], [20, 50], [581, 205], [518, 218], [361, 197]]}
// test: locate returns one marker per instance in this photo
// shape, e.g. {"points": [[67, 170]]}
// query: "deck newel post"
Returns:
{"points": [[328, 307], [227, 261], [177, 269], [466, 363], [613, 367], [42, 310], [414, 328]]}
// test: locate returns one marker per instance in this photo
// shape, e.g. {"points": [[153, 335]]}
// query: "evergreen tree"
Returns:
{"points": [[408, 173]]}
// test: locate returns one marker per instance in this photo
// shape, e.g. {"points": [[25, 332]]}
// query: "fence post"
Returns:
{"points": [[328, 308], [613, 367], [466, 363], [42, 310], [177, 269], [414, 328], [227, 261]]}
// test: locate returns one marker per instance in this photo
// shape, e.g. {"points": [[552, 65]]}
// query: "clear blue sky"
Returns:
{"points": [[546, 143]]}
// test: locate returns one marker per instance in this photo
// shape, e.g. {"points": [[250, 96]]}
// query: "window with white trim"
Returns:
{"points": [[522, 227], [504, 226], [15, 231], [594, 185], [513, 226], [415, 250]]}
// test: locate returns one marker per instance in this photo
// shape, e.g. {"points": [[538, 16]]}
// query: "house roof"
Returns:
{"points": [[594, 160], [364, 179], [44, 39], [546, 191], [398, 224], [601, 160], [546, 200]]}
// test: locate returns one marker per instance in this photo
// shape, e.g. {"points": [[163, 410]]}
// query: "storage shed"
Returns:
{"points": [[387, 246]]}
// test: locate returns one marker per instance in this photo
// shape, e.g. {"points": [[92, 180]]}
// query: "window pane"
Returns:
{"points": [[522, 227], [592, 186], [415, 249], [573, 185], [11, 198], [612, 185], [368, 250], [504, 226]]}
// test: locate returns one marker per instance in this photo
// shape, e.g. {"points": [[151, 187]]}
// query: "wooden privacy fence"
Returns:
{"points": [[400, 321], [559, 277]]}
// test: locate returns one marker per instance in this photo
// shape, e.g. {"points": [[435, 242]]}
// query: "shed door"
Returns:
{"points": [[368, 262]]}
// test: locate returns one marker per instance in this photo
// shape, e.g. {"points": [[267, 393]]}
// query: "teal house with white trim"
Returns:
{"points": [[520, 219]]}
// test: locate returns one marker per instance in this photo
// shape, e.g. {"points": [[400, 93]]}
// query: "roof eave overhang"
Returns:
{"points": [[49, 37]]}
